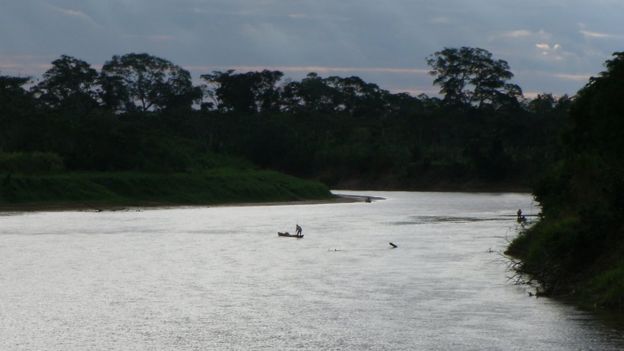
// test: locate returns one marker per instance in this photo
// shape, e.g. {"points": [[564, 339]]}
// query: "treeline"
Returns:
{"points": [[143, 113], [577, 248]]}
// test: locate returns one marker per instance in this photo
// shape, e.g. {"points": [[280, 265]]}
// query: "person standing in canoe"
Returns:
{"points": [[298, 230]]}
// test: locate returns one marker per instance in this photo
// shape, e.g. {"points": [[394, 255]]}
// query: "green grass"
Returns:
{"points": [[208, 187], [607, 288]]}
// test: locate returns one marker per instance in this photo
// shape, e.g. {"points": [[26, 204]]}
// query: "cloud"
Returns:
{"points": [[531, 94], [440, 20], [161, 38], [382, 42], [521, 33], [598, 35], [305, 16], [23, 69], [542, 46], [157, 38], [74, 14], [262, 14], [551, 51], [572, 77], [415, 91], [298, 15], [24, 65], [547, 47], [317, 69]]}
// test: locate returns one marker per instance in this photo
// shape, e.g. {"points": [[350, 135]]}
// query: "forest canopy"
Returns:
{"points": [[141, 112], [577, 247]]}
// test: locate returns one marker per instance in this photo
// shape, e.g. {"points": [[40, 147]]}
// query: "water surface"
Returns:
{"points": [[220, 278]]}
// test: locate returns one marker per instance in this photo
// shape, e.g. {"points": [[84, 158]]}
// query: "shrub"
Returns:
{"points": [[30, 162]]}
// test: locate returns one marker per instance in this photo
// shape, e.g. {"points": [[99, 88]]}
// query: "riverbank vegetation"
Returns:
{"points": [[100, 189], [144, 114], [577, 248]]}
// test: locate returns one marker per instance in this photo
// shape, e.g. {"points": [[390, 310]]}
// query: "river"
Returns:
{"points": [[213, 278]]}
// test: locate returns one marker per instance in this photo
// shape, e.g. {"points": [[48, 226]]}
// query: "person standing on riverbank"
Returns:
{"points": [[521, 218]]}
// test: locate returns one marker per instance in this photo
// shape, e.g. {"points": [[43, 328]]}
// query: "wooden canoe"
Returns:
{"points": [[287, 234]]}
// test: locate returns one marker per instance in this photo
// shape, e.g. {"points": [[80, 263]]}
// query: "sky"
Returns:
{"points": [[551, 45]]}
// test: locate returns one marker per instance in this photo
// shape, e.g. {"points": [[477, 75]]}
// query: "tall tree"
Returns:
{"points": [[141, 82], [245, 92], [12, 92], [471, 76], [542, 103], [15, 105], [358, 97], [310, 94], [334, 94], [70, 83]]}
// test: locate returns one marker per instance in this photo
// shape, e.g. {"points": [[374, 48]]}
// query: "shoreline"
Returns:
{"points": [[110, 207], [446, 189], [350, 196]]}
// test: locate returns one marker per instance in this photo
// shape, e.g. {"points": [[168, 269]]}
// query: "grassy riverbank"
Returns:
{"points": [[219, 186], [573, 261]]}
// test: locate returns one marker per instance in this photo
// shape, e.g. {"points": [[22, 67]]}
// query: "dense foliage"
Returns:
{"points": [[143, 113], [130, 188], [578, 246], [471, 76]]}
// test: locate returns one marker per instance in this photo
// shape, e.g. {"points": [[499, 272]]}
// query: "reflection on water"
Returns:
{"points": [[445, 219], [221, 278]]}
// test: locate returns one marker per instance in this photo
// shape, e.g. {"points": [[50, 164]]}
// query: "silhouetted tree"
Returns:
{"points": [[311, 94], [12, 92], [335, 94], [70, 83], [356, 96], [15, 104], [248, 92], [141, 82], [471, 76], [334, 128], [543, 103]]}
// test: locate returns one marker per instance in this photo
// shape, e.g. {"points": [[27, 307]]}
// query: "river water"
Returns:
{"points": [[220, 279]]}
